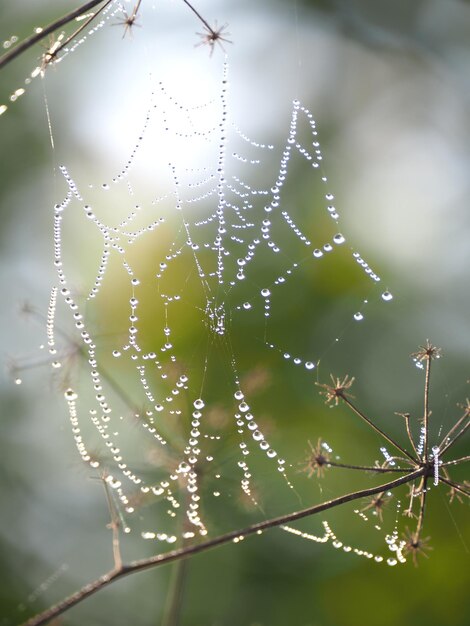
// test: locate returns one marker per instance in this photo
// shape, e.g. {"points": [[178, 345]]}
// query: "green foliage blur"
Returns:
{"points": [[388, 85]]}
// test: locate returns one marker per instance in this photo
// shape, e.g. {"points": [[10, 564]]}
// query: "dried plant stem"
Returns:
{"points": [[199, 16], [79, 29], [47, 30], [69, 17], [136, 8], [456, 486], [426, 410], [175, 595], [422, 507], [366, 468], [463, 459], [406, 416], [377, 429], [114, 525], [185, 552], [461, 432]]}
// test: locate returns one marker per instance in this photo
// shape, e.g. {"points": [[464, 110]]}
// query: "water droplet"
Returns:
{"points": [[18, 381], [339, 238], [265, 293], [246, 306], [309, 365], [317, 253], [358, 316], [70, 395], [387, 296], [198, 404]]}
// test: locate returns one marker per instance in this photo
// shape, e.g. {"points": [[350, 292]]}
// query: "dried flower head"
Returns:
{"points": [[336, 391], [213, 35], [377, 503], [317, 460], [415, 545], [128, 20], [427, 352]]}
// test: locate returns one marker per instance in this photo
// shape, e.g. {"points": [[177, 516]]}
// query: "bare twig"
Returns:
{"points": [[457, 436], [114, 525], [462, 459], [47, 30], [422, 507], [427, 353], [406, 417], [214, 34], [377, 429], [456, 486], [185, 552], [426, 410], [199, 16], [48, 56], [368, 468]]}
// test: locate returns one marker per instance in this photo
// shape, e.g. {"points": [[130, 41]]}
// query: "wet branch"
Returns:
{"points": [[185, 552], [377, 429], [456, 486], [457, 436], [368, 468], [212, 36], [47, 30]]}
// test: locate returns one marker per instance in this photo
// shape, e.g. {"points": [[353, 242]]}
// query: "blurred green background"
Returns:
{"points": [[388, 84]]}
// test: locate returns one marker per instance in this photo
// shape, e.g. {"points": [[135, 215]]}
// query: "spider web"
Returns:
{"points": [[203, 282]]}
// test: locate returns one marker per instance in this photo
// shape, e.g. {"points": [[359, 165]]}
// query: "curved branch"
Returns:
{"points": [[47, 30], [182, 553]]}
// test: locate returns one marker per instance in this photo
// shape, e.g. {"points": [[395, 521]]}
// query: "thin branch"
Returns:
{"points": [[422, 508], [76, 32], [175, 595], [198, 15], [456, 486], [462, 459], [406, 416], [377, 429], [461, 432], [458, 435], [68, 17], [426, 409], [114, 525], [366, 468], [47, 30], [182, 553]]}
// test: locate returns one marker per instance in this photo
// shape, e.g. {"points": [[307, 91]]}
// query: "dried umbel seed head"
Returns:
{"points": [[336, 391], [377, 504], [415, 545], [211, 36], [427, 352], [317, 460]]}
